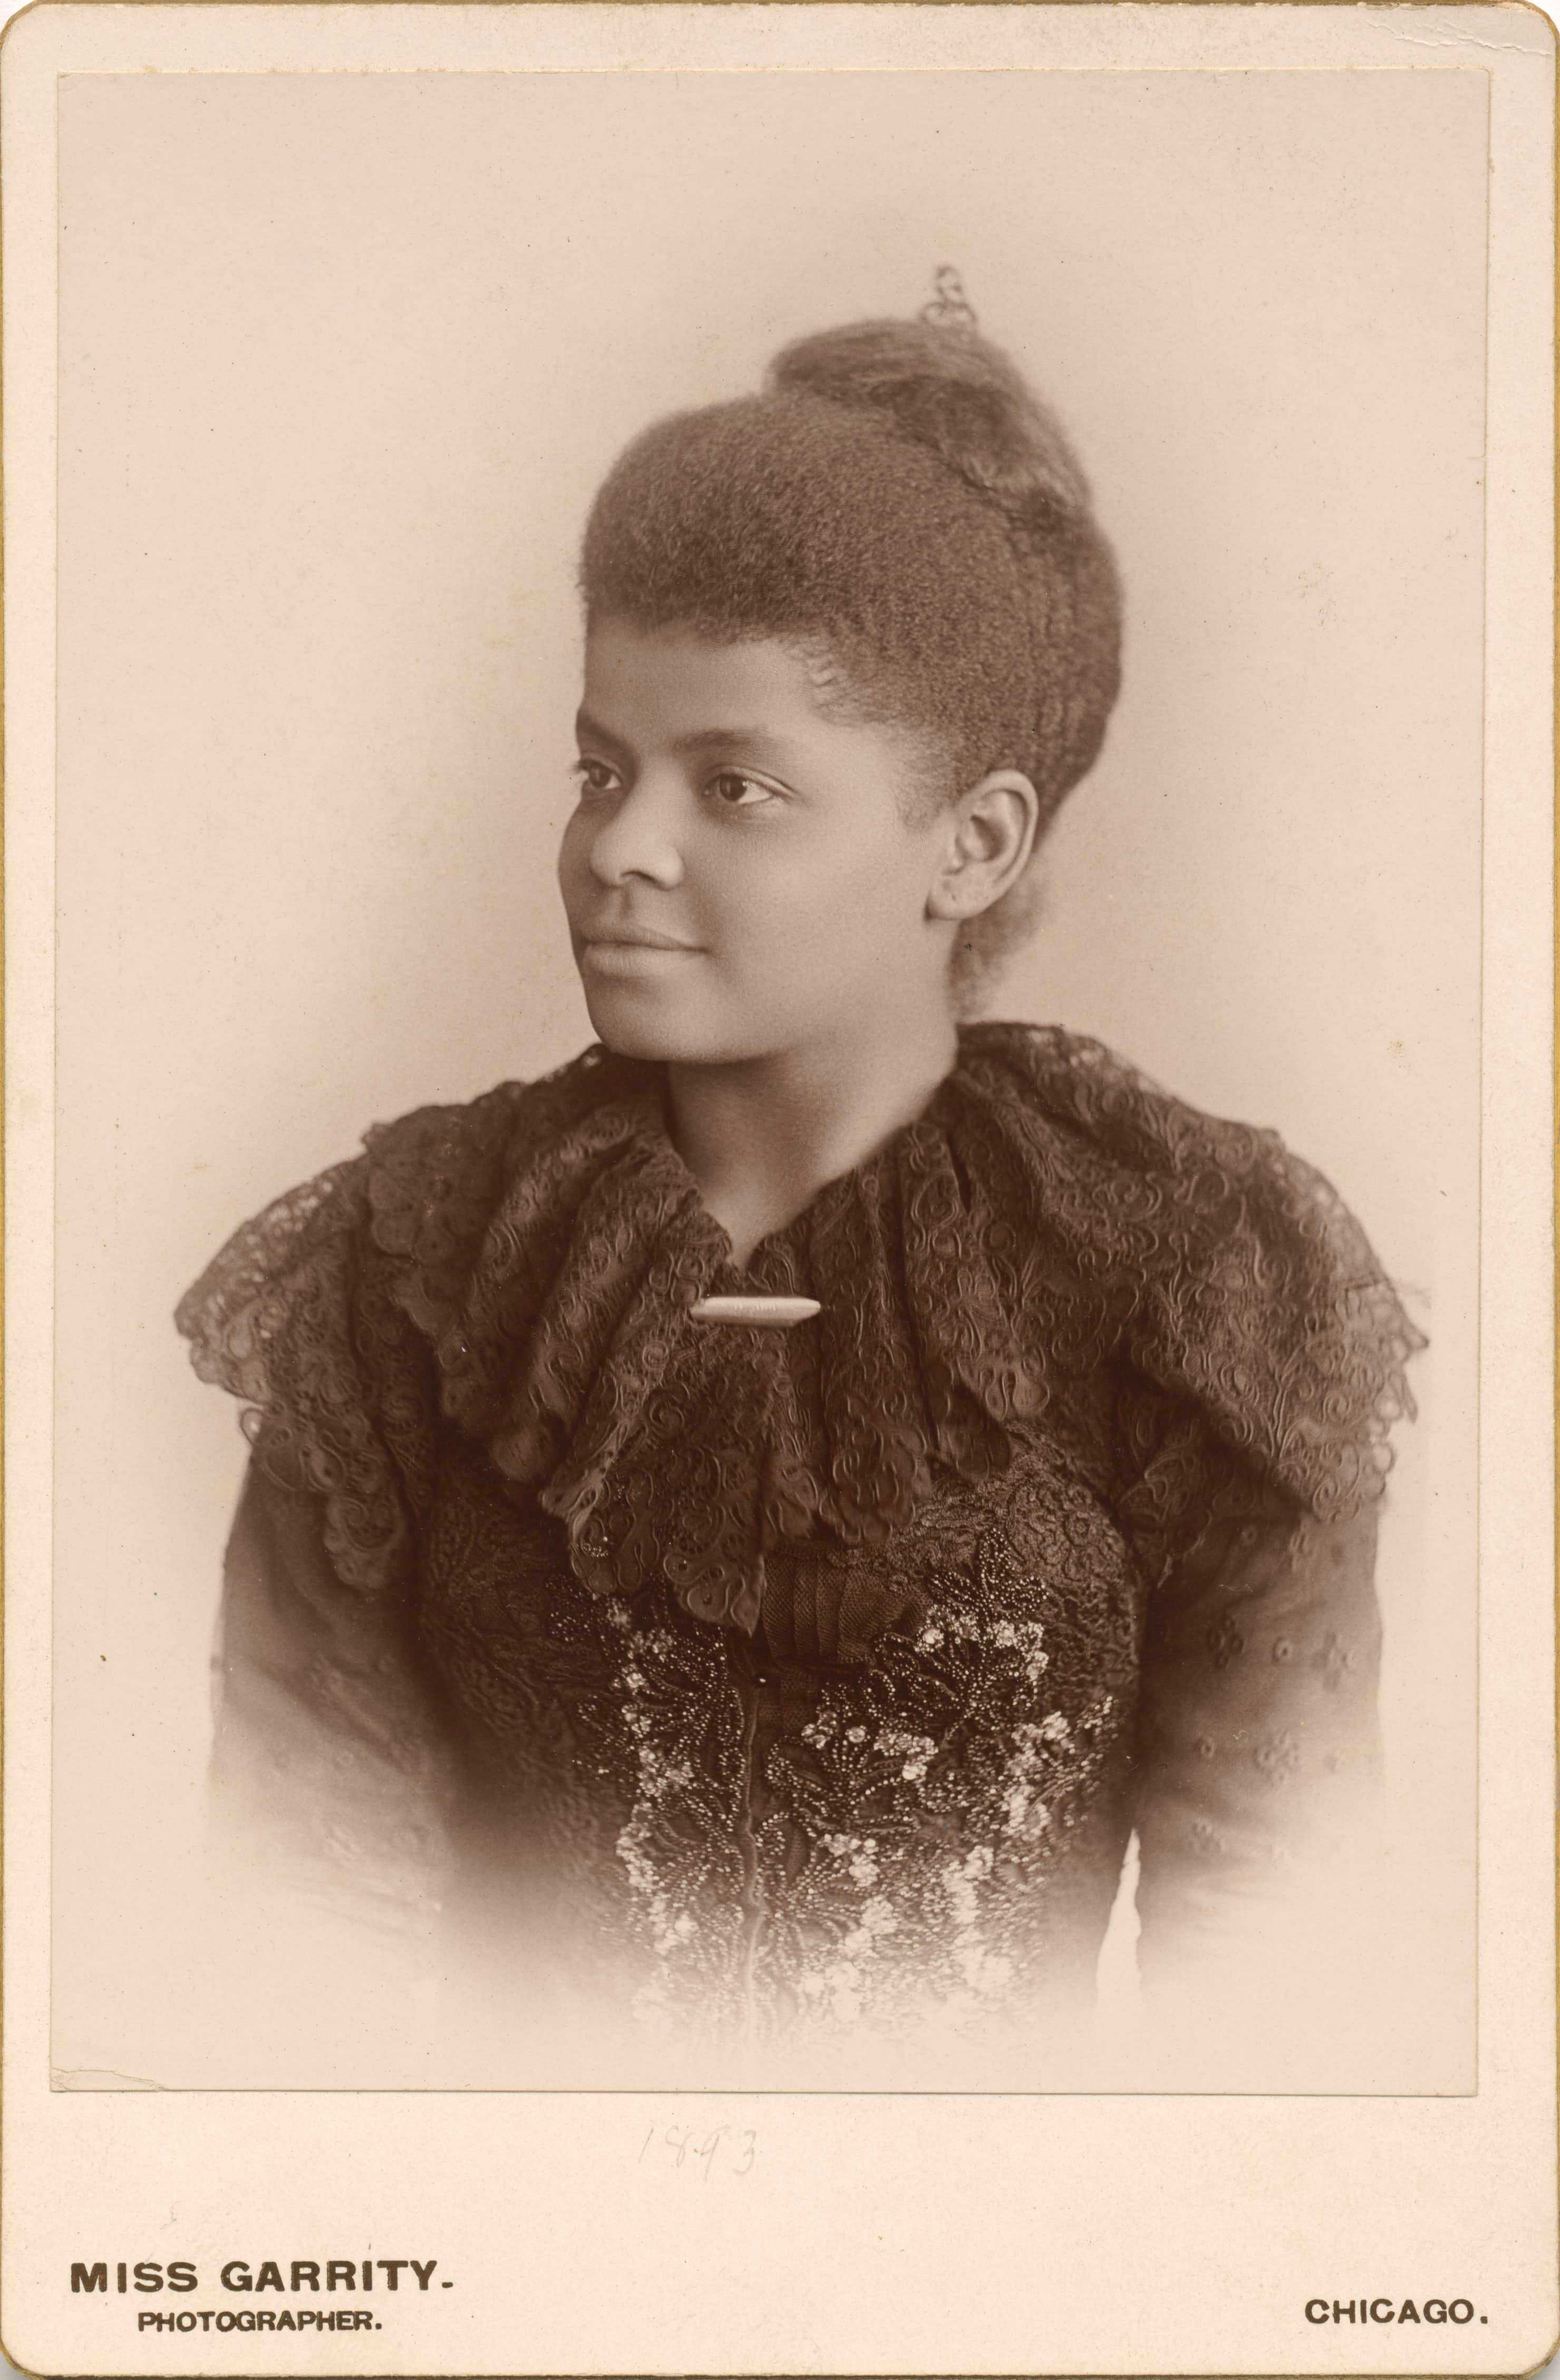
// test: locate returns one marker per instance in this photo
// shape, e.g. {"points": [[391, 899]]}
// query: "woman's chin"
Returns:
{"points": [[634, 1026]]}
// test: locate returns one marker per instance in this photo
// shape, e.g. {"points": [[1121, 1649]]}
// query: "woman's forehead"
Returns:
{"points": [[668, 685]]}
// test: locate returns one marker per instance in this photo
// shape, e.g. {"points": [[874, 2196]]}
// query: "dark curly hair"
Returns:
{"points": [[900, 507]]}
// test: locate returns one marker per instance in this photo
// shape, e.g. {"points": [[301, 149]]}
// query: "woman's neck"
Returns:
{"points": [[763, 1135]]}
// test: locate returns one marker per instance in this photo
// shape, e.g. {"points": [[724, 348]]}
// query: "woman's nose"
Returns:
{"points": [[639, 839]]}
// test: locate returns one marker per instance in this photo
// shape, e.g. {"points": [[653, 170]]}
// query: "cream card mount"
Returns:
{"points": [[883, 1638]]}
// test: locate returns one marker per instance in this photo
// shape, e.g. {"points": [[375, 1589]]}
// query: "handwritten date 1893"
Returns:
{"points": [[700, 2148]]}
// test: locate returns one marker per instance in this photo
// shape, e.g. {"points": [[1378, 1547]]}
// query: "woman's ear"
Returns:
{"points": [[990, 835]]}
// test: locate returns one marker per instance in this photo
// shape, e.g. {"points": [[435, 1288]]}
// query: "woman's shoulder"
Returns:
{"points": [[420, 1188], [1078, 1104], [1234, 1275], [323, 1313], [1079, 1083]]}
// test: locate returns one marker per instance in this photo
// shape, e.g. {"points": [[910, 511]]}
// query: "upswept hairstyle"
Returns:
{"points": [[898, 504]]}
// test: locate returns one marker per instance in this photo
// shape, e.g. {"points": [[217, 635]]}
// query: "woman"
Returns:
{"points": [[770, 1508]]}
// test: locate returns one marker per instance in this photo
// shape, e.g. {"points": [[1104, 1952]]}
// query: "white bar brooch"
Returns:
{"points": [[764, 1313]]}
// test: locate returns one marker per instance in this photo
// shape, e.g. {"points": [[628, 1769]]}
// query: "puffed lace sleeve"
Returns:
{"points": [[1260, 1753], [1212, 1300], [330, 1752], [1255, 1406]]}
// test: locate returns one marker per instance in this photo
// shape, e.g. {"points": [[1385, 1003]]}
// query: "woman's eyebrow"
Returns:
{"points": [[590, 731], [758, 742]]}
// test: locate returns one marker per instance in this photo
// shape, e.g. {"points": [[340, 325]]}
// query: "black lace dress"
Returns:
{"points": [[814, 1676]]}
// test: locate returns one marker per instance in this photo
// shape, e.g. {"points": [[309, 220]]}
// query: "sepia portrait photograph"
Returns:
{"points": [[846, 773], [770, 1038]]}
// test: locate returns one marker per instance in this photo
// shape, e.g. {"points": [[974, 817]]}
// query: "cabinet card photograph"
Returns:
{"points": [[779, 825]]}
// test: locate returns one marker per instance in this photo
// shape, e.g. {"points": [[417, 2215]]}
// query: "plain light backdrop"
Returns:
{"points": [[342, 360]]}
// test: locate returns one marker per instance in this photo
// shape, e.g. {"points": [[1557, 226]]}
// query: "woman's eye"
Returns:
{"points": [[735, 792], [594, 776]]}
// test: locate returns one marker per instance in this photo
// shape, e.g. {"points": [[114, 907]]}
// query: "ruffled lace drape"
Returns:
{"points": [[1056, 1249]]}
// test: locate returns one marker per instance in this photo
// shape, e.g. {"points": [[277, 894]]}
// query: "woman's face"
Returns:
{"points": [[741, 875]]}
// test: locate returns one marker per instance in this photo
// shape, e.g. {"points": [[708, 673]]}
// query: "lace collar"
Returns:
{"points": [[1051, 1234]]}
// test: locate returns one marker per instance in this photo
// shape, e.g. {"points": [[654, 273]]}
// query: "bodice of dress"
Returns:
{"points": [[820, 1674], [766, 1832]]}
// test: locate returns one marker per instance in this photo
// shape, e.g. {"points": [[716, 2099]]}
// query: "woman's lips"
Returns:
{"points": [[633, 954]]}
